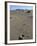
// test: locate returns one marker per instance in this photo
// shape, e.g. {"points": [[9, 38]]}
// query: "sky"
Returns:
{"points": [[14, 7]]}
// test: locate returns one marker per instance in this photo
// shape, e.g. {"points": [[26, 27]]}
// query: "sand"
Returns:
{"points": [[21, 23]]}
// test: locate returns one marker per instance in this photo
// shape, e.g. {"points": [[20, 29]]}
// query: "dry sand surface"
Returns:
{"points": [[21, 23]]}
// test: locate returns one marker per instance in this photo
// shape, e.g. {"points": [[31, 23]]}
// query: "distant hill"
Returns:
{"points": [[20, 10]]}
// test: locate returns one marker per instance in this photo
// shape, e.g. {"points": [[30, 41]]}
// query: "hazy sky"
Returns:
{"points": [[14, 7]]}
